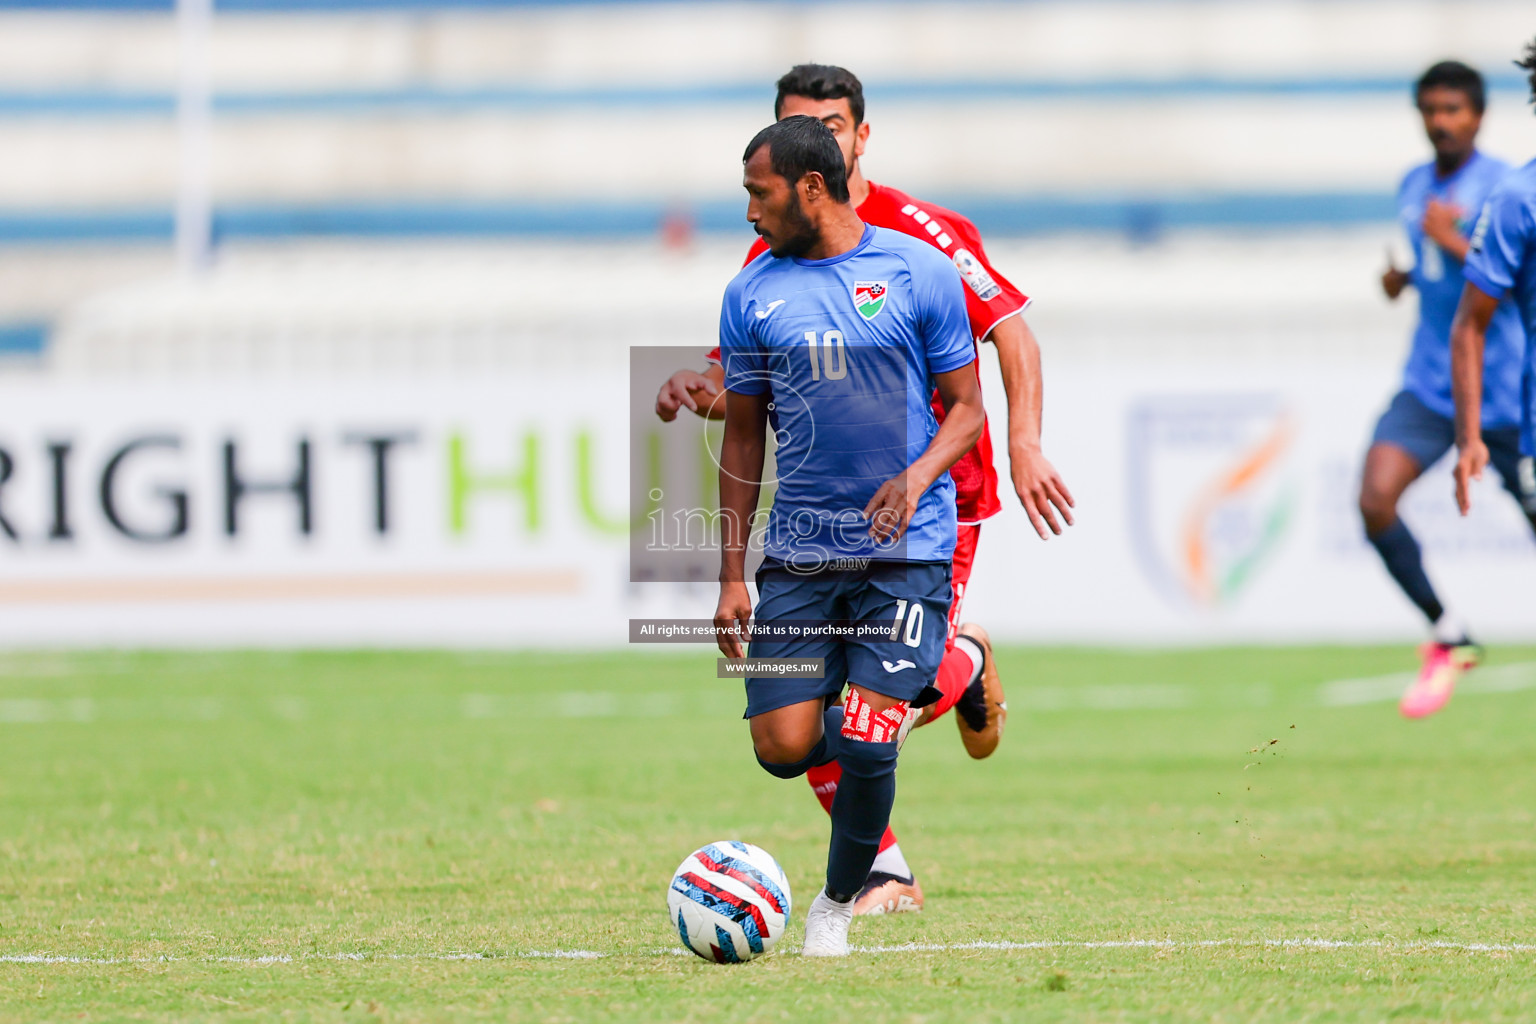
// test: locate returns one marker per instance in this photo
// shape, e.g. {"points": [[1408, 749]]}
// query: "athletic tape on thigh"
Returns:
{"points": [[861, 722]]}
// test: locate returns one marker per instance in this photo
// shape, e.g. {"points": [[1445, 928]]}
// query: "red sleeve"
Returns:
{"points": [[758, 248], [990, 298]]}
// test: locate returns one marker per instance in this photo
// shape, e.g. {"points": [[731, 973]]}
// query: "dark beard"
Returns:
{"points": [[801, 233]]}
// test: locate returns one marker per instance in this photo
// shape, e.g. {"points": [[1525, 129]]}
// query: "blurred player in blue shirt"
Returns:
{"points": [[1500, 267], [835, 338], [1438, 203]]}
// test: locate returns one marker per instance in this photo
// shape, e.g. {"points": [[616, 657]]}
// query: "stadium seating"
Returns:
{"points": [[524, 120]]}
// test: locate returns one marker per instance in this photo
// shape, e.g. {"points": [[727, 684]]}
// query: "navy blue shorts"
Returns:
{"points": [[1411, 425], [902, 663]]}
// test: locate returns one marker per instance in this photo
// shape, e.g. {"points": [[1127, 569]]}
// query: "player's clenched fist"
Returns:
{"points": [[1393, 280], [732, 616], [890, 511], [1440, 223]]}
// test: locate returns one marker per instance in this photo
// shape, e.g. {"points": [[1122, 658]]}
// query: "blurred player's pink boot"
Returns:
{"points": [[1443, 666]]}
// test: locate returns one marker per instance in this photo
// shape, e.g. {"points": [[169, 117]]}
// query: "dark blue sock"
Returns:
{"points": [[1401, 553], [861, 810]]}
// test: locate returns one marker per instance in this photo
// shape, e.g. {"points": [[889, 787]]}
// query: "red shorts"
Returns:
{"points": [[960, 575]]}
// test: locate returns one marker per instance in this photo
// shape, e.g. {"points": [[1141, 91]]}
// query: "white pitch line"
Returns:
{"points": [[1394, 947], [907, 947], [261, 961]]}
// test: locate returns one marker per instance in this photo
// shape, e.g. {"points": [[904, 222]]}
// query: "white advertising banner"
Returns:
{"points": [[1220, 505], [1213, 506], [488, 512]]}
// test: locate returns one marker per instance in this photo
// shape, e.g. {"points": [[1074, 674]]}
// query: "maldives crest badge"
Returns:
{"points": [[869, 298]]}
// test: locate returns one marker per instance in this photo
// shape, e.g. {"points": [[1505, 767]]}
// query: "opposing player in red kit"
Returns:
{"points": [[967, 676]]}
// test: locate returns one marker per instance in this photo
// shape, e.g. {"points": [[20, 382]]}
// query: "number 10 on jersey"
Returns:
{"points": [[831, 354]]}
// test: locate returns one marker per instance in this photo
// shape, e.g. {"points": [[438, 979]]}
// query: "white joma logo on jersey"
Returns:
{"points": [[762, 314], [903, 663]]}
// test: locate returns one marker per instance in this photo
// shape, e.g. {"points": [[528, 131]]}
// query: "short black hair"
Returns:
{"points": [[1529, 64], [822, 82], [800, 144], [1453, 74]]}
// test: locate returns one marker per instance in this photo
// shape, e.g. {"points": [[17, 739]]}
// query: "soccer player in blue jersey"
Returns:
{"points": [[1500, 266], [835, 338], [1437, 204]]}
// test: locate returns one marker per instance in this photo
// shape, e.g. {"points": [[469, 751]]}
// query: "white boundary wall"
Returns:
{"points": [[1213, 506], [1167, 367]]}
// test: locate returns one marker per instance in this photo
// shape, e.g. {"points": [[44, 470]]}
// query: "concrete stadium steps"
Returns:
{"points": [[1097, 102], [37, 282], [937, 149], [1136, 116], [738, 42], [317, 309]]}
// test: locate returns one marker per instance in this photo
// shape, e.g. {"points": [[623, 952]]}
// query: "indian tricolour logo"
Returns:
{"points": [[869, 297], [1212, 491]]}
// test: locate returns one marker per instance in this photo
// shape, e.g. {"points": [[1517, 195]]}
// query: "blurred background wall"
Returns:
{"points": [[438, 229]]}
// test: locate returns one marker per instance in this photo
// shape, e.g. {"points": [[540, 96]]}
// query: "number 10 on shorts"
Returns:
{"points": [[910, 614]]}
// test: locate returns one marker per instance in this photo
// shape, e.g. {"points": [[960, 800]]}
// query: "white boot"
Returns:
{"points": [[826, 927]]}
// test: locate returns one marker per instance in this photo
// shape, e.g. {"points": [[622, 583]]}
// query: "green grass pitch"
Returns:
{"points": [[363, 836]]}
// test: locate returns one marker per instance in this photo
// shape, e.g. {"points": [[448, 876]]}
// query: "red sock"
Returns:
{"points": [[824, 779], [954, 676]]}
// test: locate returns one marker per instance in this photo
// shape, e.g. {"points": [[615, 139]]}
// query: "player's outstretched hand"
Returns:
{"points": [[1470, 463], [682, 391], [890, 512], [732, 617], [1039, 487]]}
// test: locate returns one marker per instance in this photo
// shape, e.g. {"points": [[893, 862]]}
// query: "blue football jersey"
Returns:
{"points": [[1438, 278], [846, 348], [1502, 263]]}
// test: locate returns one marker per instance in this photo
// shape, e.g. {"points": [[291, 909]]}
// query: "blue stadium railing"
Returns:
{"points": [[1137, 216], [290, 6], [1141, 218], [110, 103]]}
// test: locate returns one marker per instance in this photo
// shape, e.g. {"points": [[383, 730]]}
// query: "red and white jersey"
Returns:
{"points": [[989, 300]]}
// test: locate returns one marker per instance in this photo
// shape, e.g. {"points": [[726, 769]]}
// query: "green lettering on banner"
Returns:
{"points": [[522, 482], [586, 493]]}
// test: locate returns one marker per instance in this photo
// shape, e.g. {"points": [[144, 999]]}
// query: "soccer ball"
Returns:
{"points": [[729, 901]]}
